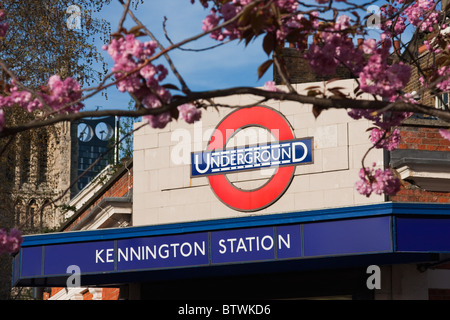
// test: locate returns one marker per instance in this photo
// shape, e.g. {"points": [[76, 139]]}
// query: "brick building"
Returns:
{"points": [[427, 172], [104, 203], [35, 170], [257, 203], [423, 157]]}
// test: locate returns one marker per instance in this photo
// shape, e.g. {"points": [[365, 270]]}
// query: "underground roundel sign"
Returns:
{"points": [[283, 155]]}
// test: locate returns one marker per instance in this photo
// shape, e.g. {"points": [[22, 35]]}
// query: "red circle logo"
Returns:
{"points": [[257, 199]]}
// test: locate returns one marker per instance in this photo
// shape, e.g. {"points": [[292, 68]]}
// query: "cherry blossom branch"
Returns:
{"points": [[21, 86], [184, 86], [123, 75], [323, 103], [188, 49], [124, 14]]}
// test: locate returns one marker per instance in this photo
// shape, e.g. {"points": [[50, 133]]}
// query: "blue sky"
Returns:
{"points": [[230, 65]]}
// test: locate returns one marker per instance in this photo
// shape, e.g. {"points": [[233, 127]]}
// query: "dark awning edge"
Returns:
{"points": [[387, 233]]}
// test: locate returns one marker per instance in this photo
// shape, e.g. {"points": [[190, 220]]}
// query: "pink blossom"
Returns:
{"points": [[288, 5], [158, 121], [384, 121], [364, 187], [129, 55], [389, 142], [156, 97], [2, 119], [321, 59], [441, 77], [63, 89], [4, 25], [337, 48], [62, 93], [422, 14], [386, 182], [369, 46], [445, 134], [399, 26], [210, 22], [59, 96], [228, 11], [378, 181], [290, 21], [162, 72], [443, 73], [189, 113], [10, 243], [148, 72], [342, 23], [270, 86], [379, 78], [3, 29]]}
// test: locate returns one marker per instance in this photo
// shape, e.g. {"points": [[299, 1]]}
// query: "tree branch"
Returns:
{"points": [[323, 103]]}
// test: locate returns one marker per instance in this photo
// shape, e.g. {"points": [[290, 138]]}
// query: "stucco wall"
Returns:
{"points": [[164, 192]]}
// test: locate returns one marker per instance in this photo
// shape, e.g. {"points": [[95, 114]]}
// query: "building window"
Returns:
{"points": [[30, 214], [42, 157], [18, 213], [25, 156], [442, 101], [8, 164], [46, 214]]}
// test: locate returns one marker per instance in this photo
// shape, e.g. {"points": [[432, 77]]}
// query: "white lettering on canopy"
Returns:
{"points": [[147, 252], [251, 244]]}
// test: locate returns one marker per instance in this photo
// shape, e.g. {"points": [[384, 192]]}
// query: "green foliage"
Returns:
{"points": [[39, 44]]}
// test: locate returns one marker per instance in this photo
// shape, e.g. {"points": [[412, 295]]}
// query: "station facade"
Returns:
{"points": [[255, 202]]}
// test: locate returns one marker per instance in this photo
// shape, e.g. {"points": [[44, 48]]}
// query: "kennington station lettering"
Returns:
{"points": [[274, 154], [204, 248]]}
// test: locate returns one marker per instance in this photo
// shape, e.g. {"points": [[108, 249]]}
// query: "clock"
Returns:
{"points": [[85, 132], [103, 131]]}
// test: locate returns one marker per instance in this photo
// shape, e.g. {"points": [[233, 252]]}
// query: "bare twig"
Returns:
{"points": [[188, 49], [124, 15]]}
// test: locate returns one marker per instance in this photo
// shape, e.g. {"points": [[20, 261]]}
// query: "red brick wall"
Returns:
{"points": [[118, 189], [422, 138], [419, 195], [110, 294]]}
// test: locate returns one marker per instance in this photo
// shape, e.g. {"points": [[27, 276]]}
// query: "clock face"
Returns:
{"points": [[85, 132], [103, 131]]}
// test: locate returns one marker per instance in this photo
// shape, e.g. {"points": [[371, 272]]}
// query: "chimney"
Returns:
{"points": [[360, 42], [444, 4], [397, 47]]}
